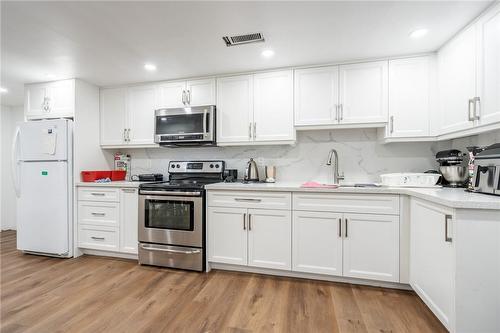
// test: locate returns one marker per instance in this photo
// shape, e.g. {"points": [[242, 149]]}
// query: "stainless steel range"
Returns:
{"points": [[172, 215]]}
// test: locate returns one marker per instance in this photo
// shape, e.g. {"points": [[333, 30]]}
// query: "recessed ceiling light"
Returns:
{"points": [[3, 90], [418, 33], [150, 67], [267, 53]]}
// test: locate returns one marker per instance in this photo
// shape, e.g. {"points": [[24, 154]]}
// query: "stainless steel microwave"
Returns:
{"points": [[189, 126]]}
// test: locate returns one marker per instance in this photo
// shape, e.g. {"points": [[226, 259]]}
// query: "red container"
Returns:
{"points": [[117, 175], [92, 176]]}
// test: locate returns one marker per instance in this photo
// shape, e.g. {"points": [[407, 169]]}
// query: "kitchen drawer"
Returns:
{"points": [[98, 213], [347, 203], [98, 194], [250, 199], [98, 237]]}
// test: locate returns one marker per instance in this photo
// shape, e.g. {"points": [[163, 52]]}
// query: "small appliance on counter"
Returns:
{"points": [[251, 172], [230, 175], [487, 170], [148, 177], [270, 174], [452, 168]]}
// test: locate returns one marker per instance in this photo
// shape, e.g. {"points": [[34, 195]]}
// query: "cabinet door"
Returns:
{"points": [[34, 98], [170, 95], [113, 111], [273, 108], [62, 98], [363, 93], [488, 30], [234, 109], [371, 247], [141, 114], [270, 238], [227, 235], [409, 97], [129, 215], [457, 81], [432, 259], [201, 92], [316, 95], [317, 242]]}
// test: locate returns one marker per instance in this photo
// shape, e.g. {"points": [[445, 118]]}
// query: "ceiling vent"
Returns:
{"points": [[243, 39]]}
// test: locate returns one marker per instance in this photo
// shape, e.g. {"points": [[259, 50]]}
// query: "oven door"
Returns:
{"points": [[188, 124], [174, 219]]}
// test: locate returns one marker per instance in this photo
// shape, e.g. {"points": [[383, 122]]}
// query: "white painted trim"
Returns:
{"points": [[301, 275]]}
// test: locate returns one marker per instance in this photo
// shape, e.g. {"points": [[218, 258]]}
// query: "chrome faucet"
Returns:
{"points": [[336, 175]]}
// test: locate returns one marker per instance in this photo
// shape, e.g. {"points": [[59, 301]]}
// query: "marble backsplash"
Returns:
{"points": [[362, 157]]}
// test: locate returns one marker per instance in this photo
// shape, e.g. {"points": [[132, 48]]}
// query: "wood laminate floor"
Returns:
{"points": [[96, 294]]}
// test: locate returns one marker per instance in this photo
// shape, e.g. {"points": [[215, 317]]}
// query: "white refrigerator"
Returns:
{"points": [[42, 155]]}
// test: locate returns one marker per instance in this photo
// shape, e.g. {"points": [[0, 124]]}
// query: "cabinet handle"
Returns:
{"points": [[249, 221], [471, 116], [341, 112], [477, 108], [124, 135], [98, 214], [98, 194], [250, 130], [254, 131], [97, 238], [340, 227], [446, 219], [189, 97], [184, 97], [128, 190], [244, 221], [336, 111], [346, 221], [392, 124], [247, 200], [128, 134]]}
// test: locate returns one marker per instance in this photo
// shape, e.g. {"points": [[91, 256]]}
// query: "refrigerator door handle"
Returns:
{"points": [[15, 162]]}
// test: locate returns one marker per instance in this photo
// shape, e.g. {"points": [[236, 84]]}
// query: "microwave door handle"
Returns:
{"points": [[204, 122]]}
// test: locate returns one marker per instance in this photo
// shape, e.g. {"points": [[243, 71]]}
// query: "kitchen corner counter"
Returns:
{"points": [[110, 184], [451, 197]]}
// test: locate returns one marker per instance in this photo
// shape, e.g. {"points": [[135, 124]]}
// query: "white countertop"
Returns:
{"points": [[451, 197], [110, 184]]}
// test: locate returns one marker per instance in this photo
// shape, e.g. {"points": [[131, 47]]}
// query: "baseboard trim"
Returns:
{"points": [[109, 254], [310, 276]]}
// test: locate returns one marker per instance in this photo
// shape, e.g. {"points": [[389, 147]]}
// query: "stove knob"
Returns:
{"points": [[211, 165], [173, 166], [178, 166], [217, 166]]}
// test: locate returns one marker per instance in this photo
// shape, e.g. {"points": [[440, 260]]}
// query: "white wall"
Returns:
{"points": [[9, 117]]}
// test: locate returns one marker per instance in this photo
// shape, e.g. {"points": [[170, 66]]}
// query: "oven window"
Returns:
{"points": [[180, 124], [174, 215]]}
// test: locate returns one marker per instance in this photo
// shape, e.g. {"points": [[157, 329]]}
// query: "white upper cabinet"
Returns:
{"points": [[127, 116], [234, 109], [113, 112], [363, 93], [171, 95], [409, 97], [200, 92], [457, 82], [50, 100], [180, 94], [141, 115], [316, 96], [488, 56], [273, 106]]}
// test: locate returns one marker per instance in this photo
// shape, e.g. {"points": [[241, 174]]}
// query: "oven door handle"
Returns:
{"points": [[152, 248], [170, 193]]}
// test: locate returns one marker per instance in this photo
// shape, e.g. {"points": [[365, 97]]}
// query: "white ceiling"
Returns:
{"points": [[107, 43]]}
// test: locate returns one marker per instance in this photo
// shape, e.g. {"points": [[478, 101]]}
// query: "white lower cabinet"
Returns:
{"points": [[317, 242], [107, 219], [432, 259], [250, 237], [371, 247]]}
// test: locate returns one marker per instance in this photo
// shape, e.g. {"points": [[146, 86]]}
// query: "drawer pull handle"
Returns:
{"points": [[127, 190], [98, 214], [247, 200], [98, 194], [97, 238]]}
